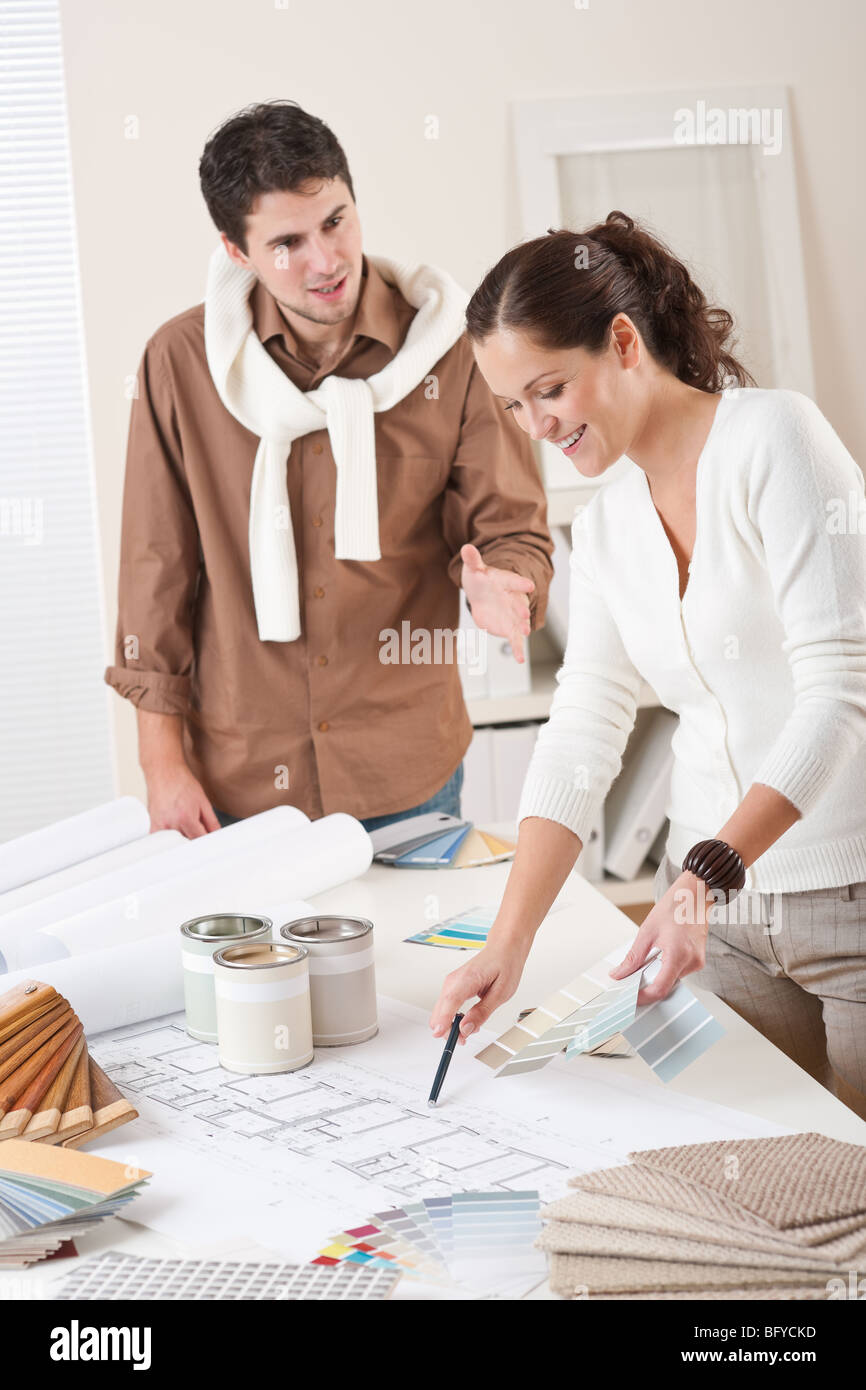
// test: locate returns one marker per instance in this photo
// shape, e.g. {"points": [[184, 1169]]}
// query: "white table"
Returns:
{"points": [[743, 1070]]}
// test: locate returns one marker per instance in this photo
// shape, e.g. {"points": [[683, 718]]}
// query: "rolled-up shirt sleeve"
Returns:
{"points": [[160, 554], [495, 498], [807, 507], [579, 750]]}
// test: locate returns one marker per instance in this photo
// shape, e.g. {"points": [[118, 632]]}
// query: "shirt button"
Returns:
{"points": [[322, 660], [317, 448], [317, 521], [324, 726], [318, 592]]}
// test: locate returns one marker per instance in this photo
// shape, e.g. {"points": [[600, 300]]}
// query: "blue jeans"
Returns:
{"points": [[447, 799]]}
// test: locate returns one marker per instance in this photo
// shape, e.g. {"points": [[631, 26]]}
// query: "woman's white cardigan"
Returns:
{"points": [[764, 660]]}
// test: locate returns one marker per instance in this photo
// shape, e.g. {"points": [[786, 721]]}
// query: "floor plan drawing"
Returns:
{"points": [[287, 1158], [331, 1110]]}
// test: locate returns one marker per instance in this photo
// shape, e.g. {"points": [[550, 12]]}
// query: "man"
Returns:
{"points": [[313, 461]]}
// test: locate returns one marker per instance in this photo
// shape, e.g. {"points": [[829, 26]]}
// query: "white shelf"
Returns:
{"points": [[625, 892], [535, 704], [621, 892], [563, 502]]}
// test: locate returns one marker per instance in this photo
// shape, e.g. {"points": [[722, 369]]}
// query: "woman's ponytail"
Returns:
{"points": [[564, 290]]}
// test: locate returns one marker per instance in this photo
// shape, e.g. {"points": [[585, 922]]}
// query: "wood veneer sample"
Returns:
{"points": [[19, 1007], [46, 1119], [77, 1111], [16, 1120], [110, 1107], [15, 1084], [22, 1044]]}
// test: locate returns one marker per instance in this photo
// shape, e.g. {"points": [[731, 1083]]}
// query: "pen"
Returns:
{"points": [[450, 1044]]}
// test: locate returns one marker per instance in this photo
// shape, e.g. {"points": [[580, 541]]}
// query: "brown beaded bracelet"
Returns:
{"points": [[720, 867]]}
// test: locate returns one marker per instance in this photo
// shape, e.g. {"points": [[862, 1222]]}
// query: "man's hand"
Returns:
{"points": [[498, 597], [678, 925], [176, 801]]}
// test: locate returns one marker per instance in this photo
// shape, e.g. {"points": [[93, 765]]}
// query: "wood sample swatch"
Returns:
{"points": [[109, 1104], [51, 1090]]}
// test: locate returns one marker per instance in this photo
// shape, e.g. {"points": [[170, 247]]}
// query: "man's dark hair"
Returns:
{"points": [[267, 147]]}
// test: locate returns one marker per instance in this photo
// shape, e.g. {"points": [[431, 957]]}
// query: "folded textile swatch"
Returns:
{"points": [[761, 1295], [669, 1190], [603, 1210], [788, 1180], [777, 1217], [571, 1275], [568, 1237]]}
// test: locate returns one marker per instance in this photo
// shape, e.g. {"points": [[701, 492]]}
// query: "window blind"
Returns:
{"points": [[56, 753]]}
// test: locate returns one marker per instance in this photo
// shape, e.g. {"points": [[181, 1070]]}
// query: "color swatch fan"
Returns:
{"points": [[51, 1090], [453, 844], [479, 1241], [592, 1008], [49, 1195], [467, 931]]}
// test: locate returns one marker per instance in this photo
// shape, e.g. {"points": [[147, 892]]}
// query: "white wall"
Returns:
{"points": [[374, 71]]}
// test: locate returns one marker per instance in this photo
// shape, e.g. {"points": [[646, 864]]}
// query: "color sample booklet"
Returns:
{"points": [[431, 842], [49, 1194], [467, 931]]}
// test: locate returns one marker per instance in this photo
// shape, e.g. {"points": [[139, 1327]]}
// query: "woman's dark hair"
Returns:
{"points": [[563, 290], [270, 146]]}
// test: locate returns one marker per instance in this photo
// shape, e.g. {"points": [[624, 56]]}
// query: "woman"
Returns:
{"points": [[713, 570]]}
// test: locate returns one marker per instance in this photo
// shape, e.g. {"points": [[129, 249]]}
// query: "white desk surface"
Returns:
{"points": [[743, 1070]]}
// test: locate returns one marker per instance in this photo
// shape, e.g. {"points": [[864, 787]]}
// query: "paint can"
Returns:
{"points": [[201, 937], [263, 1007], [342, 977]]}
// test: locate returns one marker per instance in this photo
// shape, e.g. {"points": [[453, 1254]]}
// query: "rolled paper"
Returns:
{"points": [[126, 883], [144, 848], [123, 984], [304, 861], [69, 841]]}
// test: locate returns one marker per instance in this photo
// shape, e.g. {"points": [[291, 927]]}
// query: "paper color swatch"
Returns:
{"points": [[467, 931], [483, 1241], [668, 1035]]}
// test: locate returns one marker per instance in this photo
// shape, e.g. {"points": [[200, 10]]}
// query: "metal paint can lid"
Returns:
{"points": [[255, 955], [221, 926], [324, 929]]}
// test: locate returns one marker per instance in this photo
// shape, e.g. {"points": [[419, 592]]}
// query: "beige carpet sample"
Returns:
{"points": [[788, 1180], [772, 1218]]}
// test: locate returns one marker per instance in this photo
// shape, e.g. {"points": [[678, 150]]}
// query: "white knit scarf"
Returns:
{"points": [[260, 395]]}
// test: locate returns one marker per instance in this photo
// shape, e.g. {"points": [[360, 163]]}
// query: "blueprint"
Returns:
{"points": [[287, 1158]]}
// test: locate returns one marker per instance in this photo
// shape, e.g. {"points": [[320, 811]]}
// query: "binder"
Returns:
{"points": [[478, 797], [473, 679], [556, 617], [513, 745], [505, 674], [636, 807], [590, 861]]}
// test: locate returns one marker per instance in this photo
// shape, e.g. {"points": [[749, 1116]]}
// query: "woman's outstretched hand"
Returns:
{"points": [[678, 925], [493, 974]]}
